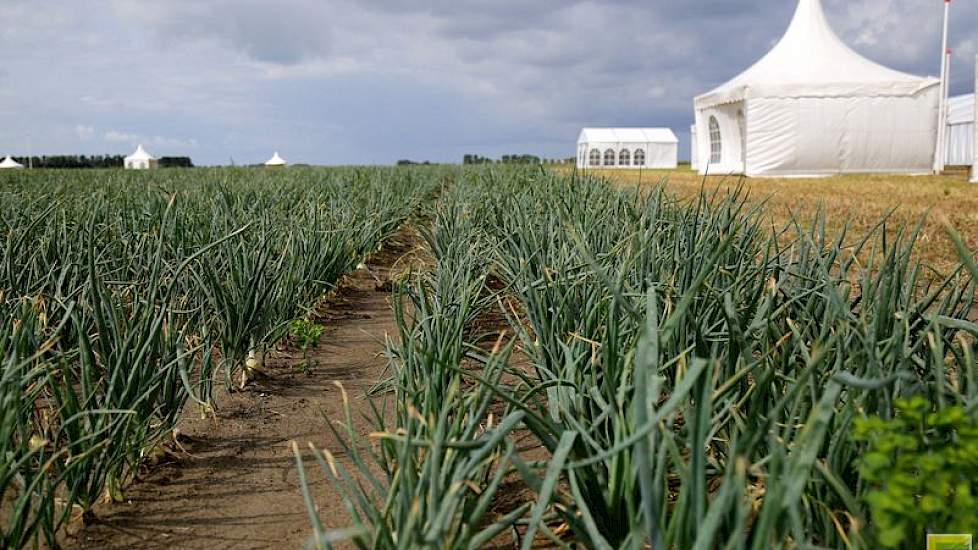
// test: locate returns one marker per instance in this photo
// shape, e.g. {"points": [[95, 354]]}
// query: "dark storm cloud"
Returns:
{"points": [[375, 80]]}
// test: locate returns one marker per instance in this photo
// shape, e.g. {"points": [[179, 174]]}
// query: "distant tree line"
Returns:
{"points": [[95, 161], [73, 161], [176, 162], [512, 159], [476, 159], [408, 162]]}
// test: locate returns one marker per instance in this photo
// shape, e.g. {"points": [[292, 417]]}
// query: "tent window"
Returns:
{"points": [[639, 157], [624, 158], [716, 143], [609, 157], [595, 159]]}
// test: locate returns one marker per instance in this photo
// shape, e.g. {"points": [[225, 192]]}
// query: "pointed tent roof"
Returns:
{"points": [[140, 154], [275, 160], [10, 163], [811, 60]]}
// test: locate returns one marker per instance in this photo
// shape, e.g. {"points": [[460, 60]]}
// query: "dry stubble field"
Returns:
{"points": [[863, 200]]}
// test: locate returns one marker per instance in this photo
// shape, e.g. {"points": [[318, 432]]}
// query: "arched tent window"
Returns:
{"points": [[595, 159], [624, 158], [639, 157], [609, 157], [716, 142]]}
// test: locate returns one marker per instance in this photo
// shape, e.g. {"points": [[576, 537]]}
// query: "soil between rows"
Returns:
{"points": [[235, 482]]}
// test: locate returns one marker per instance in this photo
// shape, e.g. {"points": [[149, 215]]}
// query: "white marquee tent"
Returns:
{"points": [[960, 130], [276, 160], [813, 106], [140, 160], [632, 148], [9, 163]]}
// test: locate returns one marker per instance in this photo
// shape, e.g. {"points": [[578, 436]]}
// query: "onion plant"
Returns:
{"points": [[439, 455], [695, 375], [120, 293]]}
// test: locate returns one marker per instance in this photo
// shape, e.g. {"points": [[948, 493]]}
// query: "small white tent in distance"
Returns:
{"points": [[140, 160], [813, 106], [960, 133], [627, 148], [10, 164], [276, 161]]}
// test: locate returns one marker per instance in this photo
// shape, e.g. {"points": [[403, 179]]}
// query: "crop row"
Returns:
{"points": [[123, 297], [697, 379]]}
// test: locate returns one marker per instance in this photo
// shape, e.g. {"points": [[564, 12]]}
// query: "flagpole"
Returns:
{"points": [[945, 98], [946, 141], [939, 155]]}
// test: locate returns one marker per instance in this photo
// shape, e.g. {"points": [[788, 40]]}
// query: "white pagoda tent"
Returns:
{"points": [[960, 133], [9, 163], [140, 160], [627, 148], [813, 106], [276, 160]]}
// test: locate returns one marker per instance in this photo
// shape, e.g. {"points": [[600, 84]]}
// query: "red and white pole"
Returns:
{"points": [[945, 98], [940, 156]]}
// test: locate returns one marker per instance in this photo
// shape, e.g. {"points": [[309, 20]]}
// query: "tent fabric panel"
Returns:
{"points": [[892, 133], [660, 135], [960, 144], [140, 164], [633, 135], [961, 109], [773, 132], [802, 90], [630, 135], [960, 131], [841, 135], [662, 156]]}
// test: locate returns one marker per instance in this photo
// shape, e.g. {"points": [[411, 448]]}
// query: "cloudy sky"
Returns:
{"points": [[373, 81]]}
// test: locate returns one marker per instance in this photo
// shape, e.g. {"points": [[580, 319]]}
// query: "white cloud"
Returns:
{"points": [[966, 50], [171, 144], [115, 136], [163, 143], [84, 133]]}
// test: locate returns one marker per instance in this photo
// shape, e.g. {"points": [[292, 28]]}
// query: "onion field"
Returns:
{"points": [[693, 380], [125, 297], [574, 364]]}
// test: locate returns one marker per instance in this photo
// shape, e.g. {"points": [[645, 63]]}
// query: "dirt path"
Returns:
{"points": [[237, 485]]}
